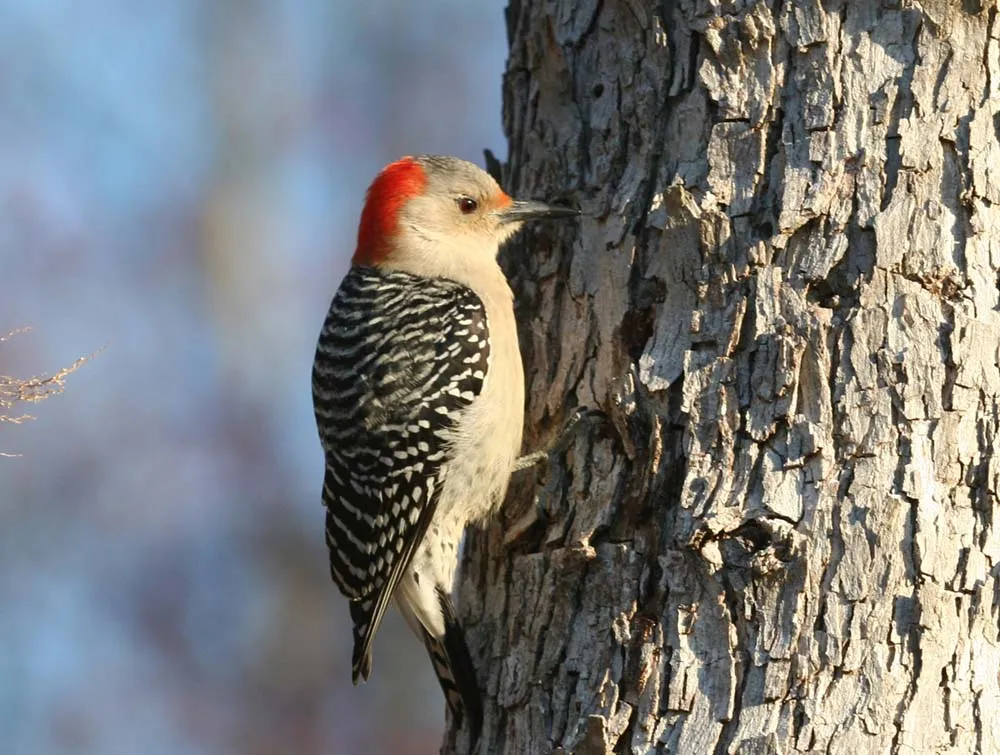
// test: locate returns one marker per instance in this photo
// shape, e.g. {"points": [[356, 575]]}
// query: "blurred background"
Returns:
{"points": [[180, 184]]}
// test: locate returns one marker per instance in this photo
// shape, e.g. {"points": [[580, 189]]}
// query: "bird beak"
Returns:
{"points": [[518, 212]]}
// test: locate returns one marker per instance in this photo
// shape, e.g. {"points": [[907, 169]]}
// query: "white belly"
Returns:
{"points": [[489, 434], [475, 479]]}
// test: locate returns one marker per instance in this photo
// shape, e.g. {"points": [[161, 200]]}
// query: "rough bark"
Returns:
{"points": [[785, 297]]}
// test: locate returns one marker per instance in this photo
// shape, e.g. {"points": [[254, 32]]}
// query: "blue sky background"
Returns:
{"points": [[179, 185]]}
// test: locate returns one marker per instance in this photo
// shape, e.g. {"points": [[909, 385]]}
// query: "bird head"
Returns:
{"points": [[440, 216]]}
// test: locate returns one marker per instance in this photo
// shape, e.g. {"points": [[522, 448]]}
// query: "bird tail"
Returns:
{"points": [[364, 633], [453, 666]]}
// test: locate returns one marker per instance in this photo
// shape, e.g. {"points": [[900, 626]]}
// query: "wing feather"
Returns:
{"points": [[399, 359]]}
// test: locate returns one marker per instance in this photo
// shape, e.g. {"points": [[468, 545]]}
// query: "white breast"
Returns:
{"points": [[488, 437]]}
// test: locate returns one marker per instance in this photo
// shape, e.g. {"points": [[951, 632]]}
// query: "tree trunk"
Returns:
{"points": [[784, 295]]}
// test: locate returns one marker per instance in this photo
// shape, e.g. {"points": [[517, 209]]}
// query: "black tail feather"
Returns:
{"points": [[361, 663], [453, 666]]}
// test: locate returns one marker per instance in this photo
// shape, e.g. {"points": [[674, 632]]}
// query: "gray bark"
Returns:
{"points": [[785, 297]]}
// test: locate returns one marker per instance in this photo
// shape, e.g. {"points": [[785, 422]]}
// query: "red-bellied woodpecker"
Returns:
{"points": [[419, 396]]}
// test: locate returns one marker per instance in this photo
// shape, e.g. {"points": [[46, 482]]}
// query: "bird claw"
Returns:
{"points": [[539, 511], [562, 441]]}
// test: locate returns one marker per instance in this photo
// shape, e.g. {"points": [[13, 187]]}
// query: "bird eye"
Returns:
{"points": [[467, 205]]}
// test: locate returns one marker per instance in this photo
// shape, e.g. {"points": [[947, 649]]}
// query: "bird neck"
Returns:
{"points": [[466, 260]]}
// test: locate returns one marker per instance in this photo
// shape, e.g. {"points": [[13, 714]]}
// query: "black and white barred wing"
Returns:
{"points": [[400, 357]]}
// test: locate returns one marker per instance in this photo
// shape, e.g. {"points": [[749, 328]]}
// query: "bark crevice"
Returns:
{"points": [[784, 293]]}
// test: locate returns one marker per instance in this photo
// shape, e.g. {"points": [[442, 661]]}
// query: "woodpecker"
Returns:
{"points": [[418, 391]]}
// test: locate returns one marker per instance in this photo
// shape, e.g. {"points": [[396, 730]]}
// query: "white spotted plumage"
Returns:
{"points": [[390, 388]]}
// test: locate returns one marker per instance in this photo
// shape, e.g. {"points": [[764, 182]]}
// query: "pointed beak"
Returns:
{"points": [[518, 212]]}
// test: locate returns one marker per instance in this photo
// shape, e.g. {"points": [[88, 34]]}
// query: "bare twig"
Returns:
{"points": [[15, 391]]}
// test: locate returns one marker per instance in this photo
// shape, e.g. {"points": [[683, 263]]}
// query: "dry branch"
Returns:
{"points": [[17, 391]]}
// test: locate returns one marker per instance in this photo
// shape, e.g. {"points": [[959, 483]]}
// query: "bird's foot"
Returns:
{"points": [[553, 455], [562, 441]]}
